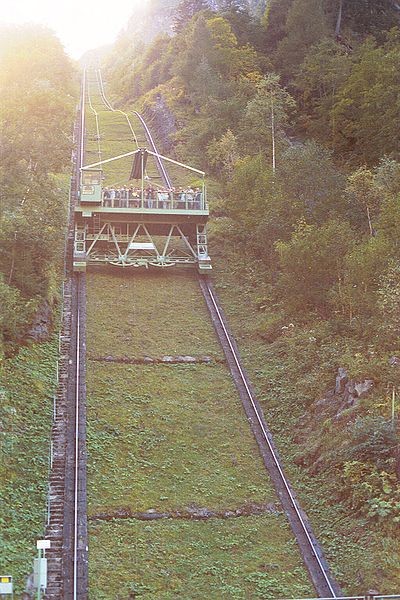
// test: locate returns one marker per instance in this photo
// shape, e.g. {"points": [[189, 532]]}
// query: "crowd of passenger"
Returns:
{"points": [[131, 197]]}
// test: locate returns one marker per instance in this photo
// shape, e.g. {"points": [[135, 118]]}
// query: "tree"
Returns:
{"points": [[186, 11], [260, 210], [361, 185], [267, 114], [387, 177], [233, 6], [274, 21], [224, 153], [367, 108], [389, 302], [366, 16], [321, 75], [306, 24], [309, 176], [363, 267], [312, 264], [36, 87]]}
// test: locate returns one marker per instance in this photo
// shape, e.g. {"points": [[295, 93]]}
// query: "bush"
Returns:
{"points": [[372, 438], [312, 265], [373, 493]]}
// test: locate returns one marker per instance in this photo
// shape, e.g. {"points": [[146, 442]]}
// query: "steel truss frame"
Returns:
{"points": [[106, 245]]}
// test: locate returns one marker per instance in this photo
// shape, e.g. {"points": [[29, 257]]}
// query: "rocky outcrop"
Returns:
{"points": [[162, 122], [41, 327], [346, 393]]}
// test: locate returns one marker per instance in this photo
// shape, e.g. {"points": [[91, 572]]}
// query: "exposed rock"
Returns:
{"points": [[394, 361], [40, 329], [349, 393], [341, 380], [189, 513], [162, 119], [339, 399], [364, 387], [168, 360]]}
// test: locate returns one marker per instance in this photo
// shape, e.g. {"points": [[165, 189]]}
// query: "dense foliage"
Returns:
{"points": [[318, 81], [37, 87]]}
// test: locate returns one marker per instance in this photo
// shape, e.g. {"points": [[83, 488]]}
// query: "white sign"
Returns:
{"points": [[6, 584], [43, 544], [142, 246]]}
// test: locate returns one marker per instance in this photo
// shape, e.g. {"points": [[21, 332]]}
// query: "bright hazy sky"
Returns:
{"points": [[80, 24]]}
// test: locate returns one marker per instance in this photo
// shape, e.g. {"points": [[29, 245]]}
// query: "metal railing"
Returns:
{"points": [[159, 201], [368, 596]]}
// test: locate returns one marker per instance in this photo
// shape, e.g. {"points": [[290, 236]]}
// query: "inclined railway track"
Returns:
{"points": [[310, 548], [160, 165], [67, 523]]}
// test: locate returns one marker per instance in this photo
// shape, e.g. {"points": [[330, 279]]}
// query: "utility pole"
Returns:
{"points": [[273, 135], [393, 406]]}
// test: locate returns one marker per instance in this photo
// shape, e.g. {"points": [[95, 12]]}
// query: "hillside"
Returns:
{"points": [[305, 240], [292, 107], [35, 146]]}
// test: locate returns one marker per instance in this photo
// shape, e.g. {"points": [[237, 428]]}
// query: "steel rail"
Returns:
{"points": [[110, 107], [82, 123], [270, 446], [77, 407], [159, 161], [376, 597], [96, 116], [75, 560], [160, 164]]}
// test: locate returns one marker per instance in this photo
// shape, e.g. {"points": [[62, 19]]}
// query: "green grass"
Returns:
{"points": [[148, 313], [26, 408], [288, 375], [244, 558], [116, 139], [165, 437]]}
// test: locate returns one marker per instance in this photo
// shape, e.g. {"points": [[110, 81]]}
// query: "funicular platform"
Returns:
{"points": [[146, 226]]}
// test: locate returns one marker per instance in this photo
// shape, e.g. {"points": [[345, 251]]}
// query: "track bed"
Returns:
{"points": [[171, 439]]}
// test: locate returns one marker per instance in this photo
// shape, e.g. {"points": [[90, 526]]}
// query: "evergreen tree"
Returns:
{"points": [[234, 6], [306, 24], [186, 11], [274, 20]]}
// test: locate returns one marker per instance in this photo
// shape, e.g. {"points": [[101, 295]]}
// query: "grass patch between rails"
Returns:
{"points": [[250, 557], [168, 437], [116, 138], [151, 313], [26, 399]]}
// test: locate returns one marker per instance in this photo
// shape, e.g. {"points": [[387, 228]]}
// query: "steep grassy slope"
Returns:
{"points": [[249, 557], [172, 438], [289, 373], [26, 399]]}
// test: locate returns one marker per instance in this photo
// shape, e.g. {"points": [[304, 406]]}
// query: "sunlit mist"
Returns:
{"points": [[80, 24]]}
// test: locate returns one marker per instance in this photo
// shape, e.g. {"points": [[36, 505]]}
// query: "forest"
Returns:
{"points": [[35, 150], [293, 108]]}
